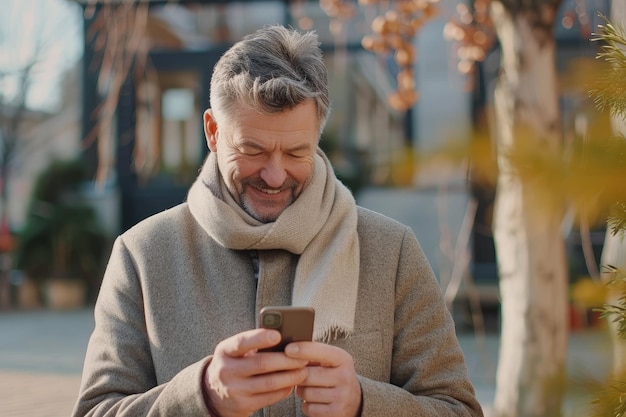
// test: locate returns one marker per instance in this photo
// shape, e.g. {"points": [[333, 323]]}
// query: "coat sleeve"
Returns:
{"points": [[118, 374], [429, 375]]}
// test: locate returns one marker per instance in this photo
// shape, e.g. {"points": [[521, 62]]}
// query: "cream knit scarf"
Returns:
{"points": [[320, 226]]}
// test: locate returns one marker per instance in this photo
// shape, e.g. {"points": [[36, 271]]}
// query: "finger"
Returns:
{"points": [[242, 343], [321, 409], [328, 401], [268, 398], [316, 394], [318, 353], [261, 363], [235, 389], [277, 381], [320, 376], [264, 390]]}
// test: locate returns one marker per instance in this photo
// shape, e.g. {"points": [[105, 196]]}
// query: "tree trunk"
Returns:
{"points": [[529, 244], [5, 235]]}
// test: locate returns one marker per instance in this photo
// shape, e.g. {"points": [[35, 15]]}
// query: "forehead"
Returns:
{"points": [[300, 120]]}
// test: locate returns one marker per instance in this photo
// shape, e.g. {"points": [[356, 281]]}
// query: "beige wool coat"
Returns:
{"points": [[170, 294]]}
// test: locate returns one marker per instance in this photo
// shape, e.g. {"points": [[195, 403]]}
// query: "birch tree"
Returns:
{"points": [[529, 244]]}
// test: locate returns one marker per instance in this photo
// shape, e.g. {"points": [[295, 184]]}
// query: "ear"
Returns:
{"points": [[210, 130]]}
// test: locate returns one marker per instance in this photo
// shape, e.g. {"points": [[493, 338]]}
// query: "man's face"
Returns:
{"points": [[266, 160]]}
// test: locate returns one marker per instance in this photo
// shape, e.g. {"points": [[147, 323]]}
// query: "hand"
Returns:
{"points": [[239, 380], [331, 388]]}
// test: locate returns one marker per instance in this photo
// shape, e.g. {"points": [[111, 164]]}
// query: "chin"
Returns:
{"points": [[264, 216]]}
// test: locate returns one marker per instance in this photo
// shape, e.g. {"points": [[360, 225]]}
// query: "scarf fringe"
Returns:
{"points": [[335, 332]]}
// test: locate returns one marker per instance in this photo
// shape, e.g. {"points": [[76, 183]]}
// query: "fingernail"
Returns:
{"points": [[274, 337], [292, 349]]}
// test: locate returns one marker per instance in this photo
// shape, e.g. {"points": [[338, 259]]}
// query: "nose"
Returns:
{"points": [[274, 173]]}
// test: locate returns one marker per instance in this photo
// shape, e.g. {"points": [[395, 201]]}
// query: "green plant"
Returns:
{"points": [[62, 237], [609, 95], [610, 399]]}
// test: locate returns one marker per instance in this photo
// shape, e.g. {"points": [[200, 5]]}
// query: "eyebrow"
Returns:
{"points": [[301, 147], [253, 144]]}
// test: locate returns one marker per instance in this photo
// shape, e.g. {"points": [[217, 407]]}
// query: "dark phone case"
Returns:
{"points": [[296, 325]]}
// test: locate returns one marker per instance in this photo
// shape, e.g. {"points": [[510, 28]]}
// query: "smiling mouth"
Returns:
{"points": [[270, 191], [269, 194], [261, 188]]}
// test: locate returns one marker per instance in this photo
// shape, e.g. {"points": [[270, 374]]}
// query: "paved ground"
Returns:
{"points": [[41, 356], [588, 361]]}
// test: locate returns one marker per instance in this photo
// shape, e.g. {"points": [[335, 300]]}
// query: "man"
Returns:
{"points": [[267, 223]]}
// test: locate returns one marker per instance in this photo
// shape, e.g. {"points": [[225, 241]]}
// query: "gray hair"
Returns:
{"points": [[272, 70]]}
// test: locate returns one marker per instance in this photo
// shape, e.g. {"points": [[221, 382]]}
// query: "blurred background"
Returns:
{"points": [[101, 106]]}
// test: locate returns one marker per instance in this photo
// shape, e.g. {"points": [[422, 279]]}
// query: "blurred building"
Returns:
{"points": [[151, 146], [45, 135]]}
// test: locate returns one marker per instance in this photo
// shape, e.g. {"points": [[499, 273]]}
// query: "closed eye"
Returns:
{"points": [[250, 150]]}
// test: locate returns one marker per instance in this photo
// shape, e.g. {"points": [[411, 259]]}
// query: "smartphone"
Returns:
{"points": [[294, 324]]}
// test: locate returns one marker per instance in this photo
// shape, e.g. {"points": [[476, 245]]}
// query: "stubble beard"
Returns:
{"points": [[270, 210]]}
